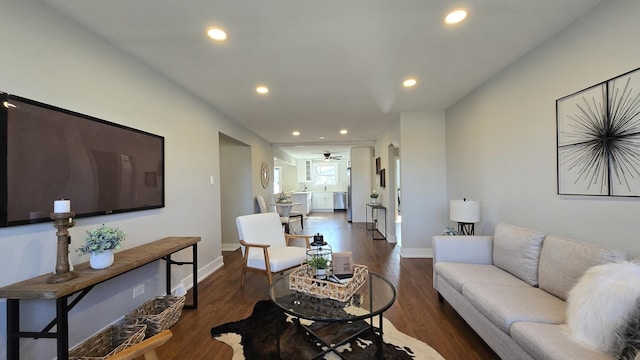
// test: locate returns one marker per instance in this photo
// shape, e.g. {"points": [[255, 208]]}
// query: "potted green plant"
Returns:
{"points": [[320, 264], [100, 243], [374, 197], [282, 198]]}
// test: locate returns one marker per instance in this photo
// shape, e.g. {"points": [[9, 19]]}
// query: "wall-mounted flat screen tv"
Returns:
{"points": [[48, 153]]}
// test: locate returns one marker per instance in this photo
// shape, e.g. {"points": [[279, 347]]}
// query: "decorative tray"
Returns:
{"points": [[299, 280]]}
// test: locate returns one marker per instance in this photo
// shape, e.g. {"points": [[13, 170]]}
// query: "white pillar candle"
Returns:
{"points": [[62, 206]]}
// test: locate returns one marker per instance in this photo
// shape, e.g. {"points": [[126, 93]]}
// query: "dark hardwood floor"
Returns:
{"points": [[416, 311]]}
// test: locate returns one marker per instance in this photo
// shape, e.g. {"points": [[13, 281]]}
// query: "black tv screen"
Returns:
{"points": [[49, 153]]}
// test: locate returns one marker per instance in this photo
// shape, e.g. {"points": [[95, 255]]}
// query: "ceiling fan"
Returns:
{"points": [[327, 156]]}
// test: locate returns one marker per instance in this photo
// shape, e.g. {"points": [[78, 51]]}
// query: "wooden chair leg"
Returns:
{"points": [[267, 265], [244, 266]]}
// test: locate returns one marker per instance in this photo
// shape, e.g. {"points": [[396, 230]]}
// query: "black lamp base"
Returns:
{"points": [[465, 228]]}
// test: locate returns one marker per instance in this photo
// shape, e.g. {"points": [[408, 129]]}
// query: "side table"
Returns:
{"points": [[373, 211]]}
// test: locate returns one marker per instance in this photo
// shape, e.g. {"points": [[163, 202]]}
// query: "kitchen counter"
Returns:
{"points": [[304, 199]]}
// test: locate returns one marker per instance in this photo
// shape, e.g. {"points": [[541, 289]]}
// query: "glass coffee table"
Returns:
{"points": [[331, 317]]}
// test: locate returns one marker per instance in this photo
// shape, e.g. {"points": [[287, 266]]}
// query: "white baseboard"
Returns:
{"points": [[230, 246], [203, 273]]}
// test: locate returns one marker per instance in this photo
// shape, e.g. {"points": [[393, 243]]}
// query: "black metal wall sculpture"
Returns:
{"points": [[598, 138]]}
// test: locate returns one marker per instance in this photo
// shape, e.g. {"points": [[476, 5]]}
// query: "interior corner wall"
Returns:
{"points": [[501, 139], [423, 176], [56, 61]]}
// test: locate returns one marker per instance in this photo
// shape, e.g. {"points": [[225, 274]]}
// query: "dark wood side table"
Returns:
{"points": [[127, 260]]}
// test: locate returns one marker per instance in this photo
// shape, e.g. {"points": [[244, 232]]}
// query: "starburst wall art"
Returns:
{"points": [[599, 139]]}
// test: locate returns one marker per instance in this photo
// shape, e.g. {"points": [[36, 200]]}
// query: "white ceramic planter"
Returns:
{"points": [[321, 274], [102, 260]]}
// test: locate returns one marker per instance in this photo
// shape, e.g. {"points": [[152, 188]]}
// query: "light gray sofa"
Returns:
{"points": [[511, 288]]}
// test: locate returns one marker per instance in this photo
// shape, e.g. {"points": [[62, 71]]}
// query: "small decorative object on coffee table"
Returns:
{"points": [[318, 265], [319, 257], [332, 288]]}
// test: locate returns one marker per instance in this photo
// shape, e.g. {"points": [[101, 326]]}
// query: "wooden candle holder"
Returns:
{"points": [[62, 221]]}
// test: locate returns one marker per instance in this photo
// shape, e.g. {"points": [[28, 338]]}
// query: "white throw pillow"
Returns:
{"points": [[601, 302]]}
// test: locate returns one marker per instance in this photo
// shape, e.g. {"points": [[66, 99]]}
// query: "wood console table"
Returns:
{"points": [[127, 260]]}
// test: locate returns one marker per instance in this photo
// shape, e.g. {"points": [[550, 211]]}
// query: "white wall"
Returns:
{"points": [[423, 181], [49, 59], [501, 139], [361, 171]]}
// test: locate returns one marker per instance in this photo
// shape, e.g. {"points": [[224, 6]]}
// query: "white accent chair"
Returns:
{"points": [[265, 246]]}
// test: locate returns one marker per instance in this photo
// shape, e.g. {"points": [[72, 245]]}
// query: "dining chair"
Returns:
{"points": [[146, 348], [266, 247], [295, 214], [262, 205]]}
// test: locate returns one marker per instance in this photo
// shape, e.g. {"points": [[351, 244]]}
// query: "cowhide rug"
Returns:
{"points": [[256, 338]]}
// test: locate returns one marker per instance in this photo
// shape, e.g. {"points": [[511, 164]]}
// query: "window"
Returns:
{"points": [[277, 186], [326, 174]]}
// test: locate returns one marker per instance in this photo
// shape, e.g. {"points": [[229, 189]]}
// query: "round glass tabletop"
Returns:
{"points": [[373, 298]]}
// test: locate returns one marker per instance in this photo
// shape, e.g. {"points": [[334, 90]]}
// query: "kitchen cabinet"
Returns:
{"points": [[322, 200], [304, 198], [304, 170]]}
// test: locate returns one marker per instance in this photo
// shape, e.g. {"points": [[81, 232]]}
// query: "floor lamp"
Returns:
{"points": [[466, 213]]}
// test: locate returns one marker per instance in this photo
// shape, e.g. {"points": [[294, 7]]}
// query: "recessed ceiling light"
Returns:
{"points": [[295, 133], [321, 137], [455, 16], [343, 131], [262, 89], [217, 34], [409, 82]]}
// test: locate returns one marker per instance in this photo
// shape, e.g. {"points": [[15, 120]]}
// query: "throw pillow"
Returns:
{"points": [[601, 302], [627, 338], [517, 250]]}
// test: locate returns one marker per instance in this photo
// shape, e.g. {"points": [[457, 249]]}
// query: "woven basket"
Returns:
{"points": [[300, 281], [108, 342], [158, 314]]}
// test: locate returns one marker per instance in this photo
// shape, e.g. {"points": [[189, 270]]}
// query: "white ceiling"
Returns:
{"points": [[328, 64]]}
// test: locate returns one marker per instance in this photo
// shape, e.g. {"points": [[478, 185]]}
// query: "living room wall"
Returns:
{"points": [[501, 139], [50, 59]]}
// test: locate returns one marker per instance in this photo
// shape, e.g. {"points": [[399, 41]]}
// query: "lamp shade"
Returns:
{"points": [[465, 211]]}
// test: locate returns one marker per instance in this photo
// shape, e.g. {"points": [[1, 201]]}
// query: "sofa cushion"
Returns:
{"points": [[503, 304], [551, 342], [563, 261], [458, 274], [517, 250]]}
